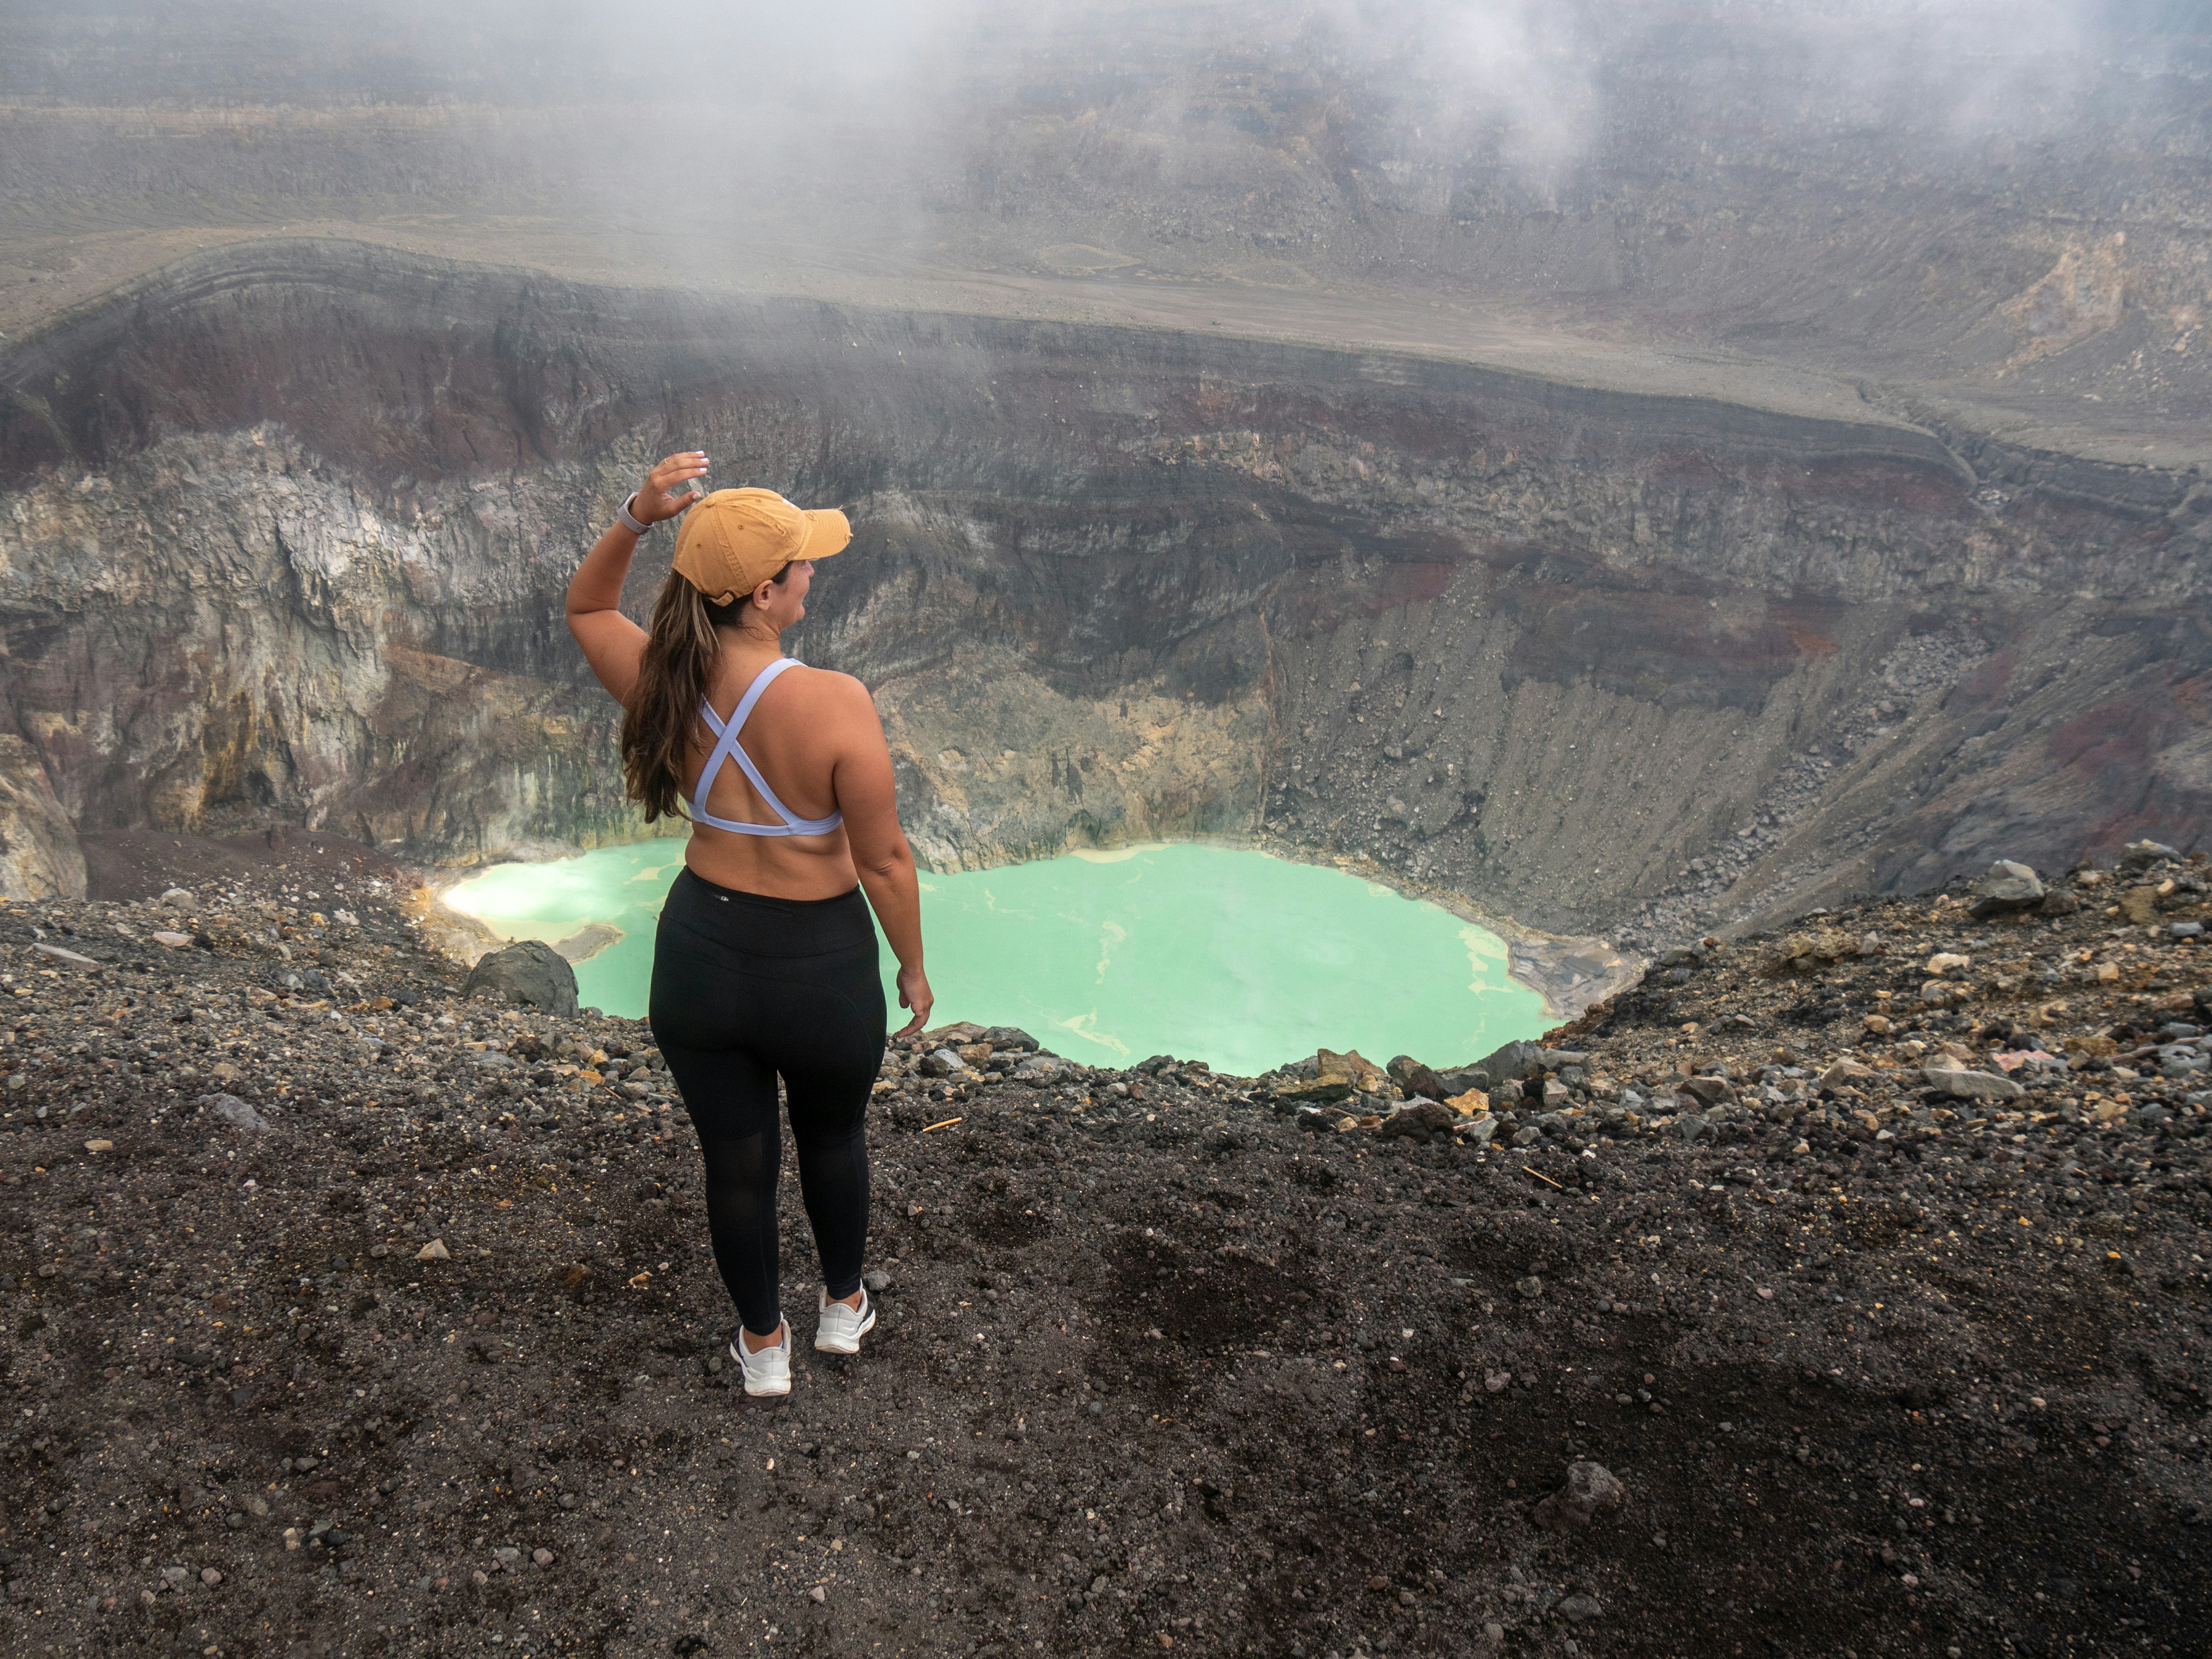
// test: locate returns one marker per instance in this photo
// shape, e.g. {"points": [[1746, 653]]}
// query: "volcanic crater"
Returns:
{"points": [[1601, 662]]}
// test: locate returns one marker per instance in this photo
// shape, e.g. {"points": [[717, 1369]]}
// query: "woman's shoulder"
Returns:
{"points": [[741, 675], [830, 684], [833, 704]]}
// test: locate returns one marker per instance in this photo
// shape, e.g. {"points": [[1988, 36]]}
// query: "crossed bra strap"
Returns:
{"points": [[726, 747]]}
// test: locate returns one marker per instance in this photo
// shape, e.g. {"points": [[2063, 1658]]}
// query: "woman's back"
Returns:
{"points": [[795, 734]]}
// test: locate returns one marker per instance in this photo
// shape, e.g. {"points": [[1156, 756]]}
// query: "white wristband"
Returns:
{"points": [[630, 521]]}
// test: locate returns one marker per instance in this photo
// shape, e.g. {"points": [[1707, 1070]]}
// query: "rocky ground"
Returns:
{"points": [[1892, 705], [1841, 1292]]}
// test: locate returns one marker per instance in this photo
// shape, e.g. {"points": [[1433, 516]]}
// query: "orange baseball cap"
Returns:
{"points": [[736, 540]]}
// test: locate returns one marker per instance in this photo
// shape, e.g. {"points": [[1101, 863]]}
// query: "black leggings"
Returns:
{"points": [[745, 988]]}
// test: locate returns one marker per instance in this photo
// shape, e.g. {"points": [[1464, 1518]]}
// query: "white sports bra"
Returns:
{"points": [[726, 747]]}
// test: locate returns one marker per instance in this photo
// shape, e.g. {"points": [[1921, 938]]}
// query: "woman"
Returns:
{"points": [[765, 961]]}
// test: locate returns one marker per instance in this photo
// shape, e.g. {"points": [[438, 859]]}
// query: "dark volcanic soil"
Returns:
{"points": [[1883, 1368]]}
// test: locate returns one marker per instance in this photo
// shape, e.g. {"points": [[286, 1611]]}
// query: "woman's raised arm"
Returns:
{"points": [[612, 643]]}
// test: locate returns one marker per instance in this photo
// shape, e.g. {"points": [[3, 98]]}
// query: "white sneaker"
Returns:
{"points": [[768, 1371], [840, 1328]]}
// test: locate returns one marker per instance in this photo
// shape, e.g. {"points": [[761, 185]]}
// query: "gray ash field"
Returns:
{"points": [[1884, 1359]]}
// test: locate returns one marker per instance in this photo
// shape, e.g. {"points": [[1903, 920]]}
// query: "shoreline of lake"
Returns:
{"points": [[1571, 972], [1228, 954]]}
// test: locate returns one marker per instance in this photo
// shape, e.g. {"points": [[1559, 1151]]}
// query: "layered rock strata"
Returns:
{"points": [[286, 529]]}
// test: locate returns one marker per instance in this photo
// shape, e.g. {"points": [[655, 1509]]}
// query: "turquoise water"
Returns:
{"points": [[1207, 953]]}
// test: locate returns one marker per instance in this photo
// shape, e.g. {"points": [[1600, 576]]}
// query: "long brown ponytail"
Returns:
{"points": [[681, 647]]}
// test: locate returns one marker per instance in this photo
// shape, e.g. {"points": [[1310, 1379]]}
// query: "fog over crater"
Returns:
{"points": [[1625, 473]]}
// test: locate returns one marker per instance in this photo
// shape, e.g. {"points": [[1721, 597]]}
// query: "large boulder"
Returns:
{"points": [[530, 972], [2007, 888]]}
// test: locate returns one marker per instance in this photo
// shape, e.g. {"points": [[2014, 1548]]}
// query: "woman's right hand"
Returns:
{"points": [[662, 495], [914, 993]]}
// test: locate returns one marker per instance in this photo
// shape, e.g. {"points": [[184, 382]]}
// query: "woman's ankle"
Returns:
{"points": [[754, 1344]]}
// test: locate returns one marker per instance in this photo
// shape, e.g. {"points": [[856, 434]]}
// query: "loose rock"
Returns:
{"points": [[2007, 888], [530, 973], [239, 1113], [1962, 1085], [1592, 1490]]}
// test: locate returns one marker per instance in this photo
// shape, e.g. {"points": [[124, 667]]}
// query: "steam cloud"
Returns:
{"points": [[866, 117]]}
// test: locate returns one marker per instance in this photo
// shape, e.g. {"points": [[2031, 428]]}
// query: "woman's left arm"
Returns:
{"points": [[612, 643]]}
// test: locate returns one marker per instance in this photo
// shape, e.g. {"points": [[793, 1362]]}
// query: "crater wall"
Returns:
{"points": [[285, 530]]}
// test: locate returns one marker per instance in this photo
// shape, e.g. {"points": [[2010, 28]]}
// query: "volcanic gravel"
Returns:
{"points": [[345, 1316]]}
